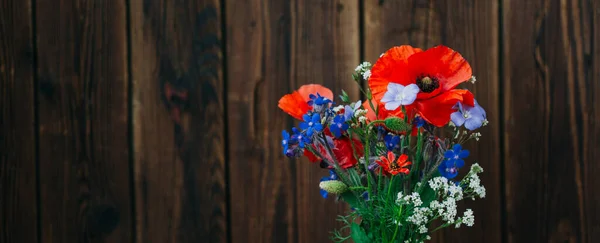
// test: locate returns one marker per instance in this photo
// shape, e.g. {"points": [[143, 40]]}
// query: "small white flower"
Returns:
{"points": [[358, 68], [485, 122], [455, 191], [423, 229], [338, 108], [450, 210], [362, 119], [438, 183], [451, 124], [473, 79], [476, 168], [398, 94], [419, 216], [468, 218], [367, 74], [428, 237]]}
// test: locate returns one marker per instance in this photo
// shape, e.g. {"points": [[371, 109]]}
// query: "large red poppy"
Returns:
{"points": [[437, 71], [295, 103]]}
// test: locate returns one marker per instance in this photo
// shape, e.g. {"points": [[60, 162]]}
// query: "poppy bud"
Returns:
{"points": [[333, 186], [397, 125]]}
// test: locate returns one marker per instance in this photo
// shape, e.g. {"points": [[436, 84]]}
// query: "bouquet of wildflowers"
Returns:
{"points": [[394, 157]]}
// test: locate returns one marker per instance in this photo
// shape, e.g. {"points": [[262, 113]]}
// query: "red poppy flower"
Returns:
{"points": [[342, 149], [392, 166], [296, 104], [436, 71]]}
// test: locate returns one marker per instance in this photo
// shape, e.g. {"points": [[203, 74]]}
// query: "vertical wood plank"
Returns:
{"points": [[325, 49], [179, 124], [471, 28], [588, 90], [18, 202], [274, 47], [84, 167], [262, 180], [549, 95]]}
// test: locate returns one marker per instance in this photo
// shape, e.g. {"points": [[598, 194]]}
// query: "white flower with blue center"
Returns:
{"points": [[398, 94]]}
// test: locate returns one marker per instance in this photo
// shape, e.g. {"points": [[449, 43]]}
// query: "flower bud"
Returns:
{"points": [[396, 124], [333, 186]]}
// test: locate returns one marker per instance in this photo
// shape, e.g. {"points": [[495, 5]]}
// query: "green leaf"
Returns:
{"points": [[358, 234], [344, 97], [428, 195], [351, 199]]}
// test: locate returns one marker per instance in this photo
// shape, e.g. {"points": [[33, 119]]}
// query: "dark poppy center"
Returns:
{"points": [[394, 165], [428, 84]]}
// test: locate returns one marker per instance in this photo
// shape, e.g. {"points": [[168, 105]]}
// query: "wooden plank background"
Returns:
{"points": [[157, 121]]}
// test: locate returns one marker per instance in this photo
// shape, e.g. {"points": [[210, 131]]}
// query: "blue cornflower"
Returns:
{"points": [[299, 137], [391, 141], [311, 124], [338, 126], [419, 122], [286, 141], [453, 161], [318, 100], [332, 176], [472, 117]]}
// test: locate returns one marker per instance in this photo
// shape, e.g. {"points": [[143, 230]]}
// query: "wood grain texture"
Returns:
{"points": [[325, 50], [83, 127], [18, 202], [470, 28], [550, 120], [178, 119], [262, 180], [587, 89]]}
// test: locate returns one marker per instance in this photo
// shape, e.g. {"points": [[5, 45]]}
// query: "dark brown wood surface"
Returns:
{"points": [[18, 186], [83, 131], [157, 121], [262, 180], [178, 120], [550, 119]]}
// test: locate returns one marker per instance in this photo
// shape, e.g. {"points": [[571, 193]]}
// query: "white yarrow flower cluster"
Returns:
{"points": [[419, 216], [473, 182], [367, 74], [438, 183], [363, 119], [364, 70], [360, 112]]}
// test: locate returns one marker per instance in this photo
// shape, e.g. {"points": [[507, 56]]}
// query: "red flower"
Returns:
{"points": [[392, 166], [295, 103], [436, 71], [343, 151]]}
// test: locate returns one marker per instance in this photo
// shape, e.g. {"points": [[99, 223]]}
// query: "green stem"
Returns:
{"points": [[396, 230]]}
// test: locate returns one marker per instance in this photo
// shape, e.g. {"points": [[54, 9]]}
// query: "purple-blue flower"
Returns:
{"points": [[471, 116], [311, 124], [419, 122], [391, 141], [338, 126], [286, 141], [454, 160], [318, 100], [299, 137], [332, 176], [349, 110]]}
